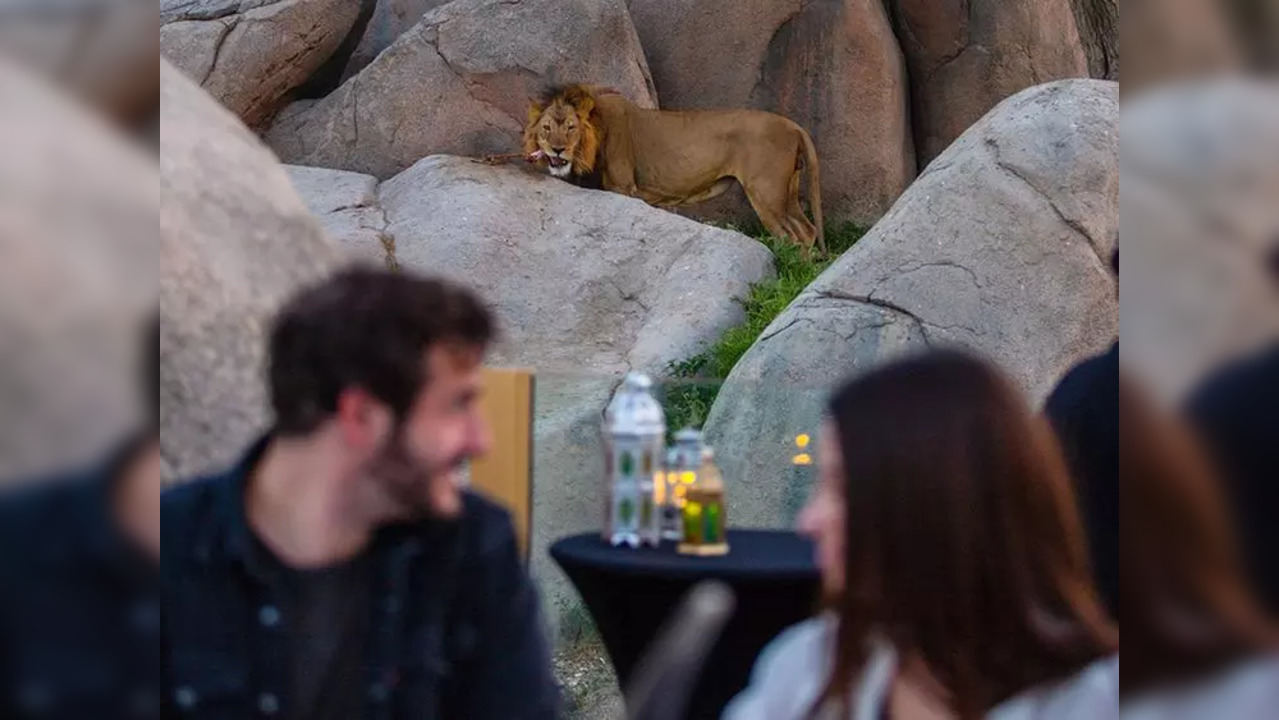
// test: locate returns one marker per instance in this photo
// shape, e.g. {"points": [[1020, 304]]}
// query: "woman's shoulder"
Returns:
{"points": [[1093, 692], [788, 674]]}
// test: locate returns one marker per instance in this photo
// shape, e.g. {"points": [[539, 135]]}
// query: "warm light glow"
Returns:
{"points": [[688, 477], [679, 495], [802, 459], [802, 440], [659, 489]]}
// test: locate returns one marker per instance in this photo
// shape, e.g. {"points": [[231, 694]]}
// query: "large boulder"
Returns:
{"points": [[459, 82], [1200, 184], [236, 241], [389, 20], [833, 67], [1001, 247], [78, 270], [586, 285], [101, 53], [249, 54], [347, 207], [964, 58]]}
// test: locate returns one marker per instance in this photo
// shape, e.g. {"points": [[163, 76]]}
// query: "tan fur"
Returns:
{"points": [[673, 158]]}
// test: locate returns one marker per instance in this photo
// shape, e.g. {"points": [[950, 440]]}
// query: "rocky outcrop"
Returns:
{"points": [[586, 285], [965, 58], [236, 241], [1000, 247], [78, 244], [1098, 25], [249, 54], [1200, 218], [833, 67], [459, 82], [347, 207]]}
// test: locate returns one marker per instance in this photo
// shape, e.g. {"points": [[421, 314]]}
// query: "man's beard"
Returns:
{"points": [[406, 480]]}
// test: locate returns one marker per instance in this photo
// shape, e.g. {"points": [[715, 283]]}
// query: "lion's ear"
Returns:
{"points": [[535, 109], [584, 107]]}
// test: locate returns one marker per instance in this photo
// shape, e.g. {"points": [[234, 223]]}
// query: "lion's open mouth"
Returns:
{"points": [[557, 161]]}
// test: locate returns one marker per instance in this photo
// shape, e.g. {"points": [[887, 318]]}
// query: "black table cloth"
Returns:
{"points": [[630, 593]]}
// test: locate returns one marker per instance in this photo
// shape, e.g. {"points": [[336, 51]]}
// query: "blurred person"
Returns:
{"points": [[339, 570], [1081, 409], [1233, 410], [1197, 642], [953, 565], [80, 582]]}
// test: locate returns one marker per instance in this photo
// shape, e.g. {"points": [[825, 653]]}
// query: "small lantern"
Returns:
{"points": [[682, 462], [634, 432], [705, 511]]}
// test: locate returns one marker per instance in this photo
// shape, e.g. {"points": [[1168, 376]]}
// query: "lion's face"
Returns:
{"points": [[562, 137]]}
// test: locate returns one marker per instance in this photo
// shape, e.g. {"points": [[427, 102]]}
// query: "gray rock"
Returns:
{"points": [[249, 55], [347, 207], [390, 19], [459, 83], [78, 249], [1001, 247], [964, 58], [587, 285], [237, 241]]}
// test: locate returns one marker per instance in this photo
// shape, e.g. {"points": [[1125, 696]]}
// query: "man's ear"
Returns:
{"points": [[362, 420]]}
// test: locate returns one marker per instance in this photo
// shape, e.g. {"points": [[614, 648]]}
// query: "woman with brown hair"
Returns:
{"points": [[952, 558], [1197, 639]]}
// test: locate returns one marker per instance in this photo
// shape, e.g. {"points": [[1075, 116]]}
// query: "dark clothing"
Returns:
{"points": [[329, 610], [79, 604], [1236, 412], [1084, 411], [454, 627]]}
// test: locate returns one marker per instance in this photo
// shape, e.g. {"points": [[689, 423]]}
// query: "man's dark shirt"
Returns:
{"points": [[79, 604], [453, 626], [1084, 411], [329, 610], [1236, 412]]}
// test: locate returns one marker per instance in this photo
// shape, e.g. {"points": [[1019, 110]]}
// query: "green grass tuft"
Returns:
{"points": [[696, 381]]}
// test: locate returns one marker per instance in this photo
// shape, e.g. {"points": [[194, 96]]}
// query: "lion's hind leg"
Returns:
{"points": [[806, 231], [770, 202]]}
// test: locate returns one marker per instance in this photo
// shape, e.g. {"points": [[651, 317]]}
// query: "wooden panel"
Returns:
{"points": [[506, 473]]}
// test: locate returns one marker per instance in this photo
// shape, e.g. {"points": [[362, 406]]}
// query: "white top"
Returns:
{"points": [[1247, 692], [791, 672]]}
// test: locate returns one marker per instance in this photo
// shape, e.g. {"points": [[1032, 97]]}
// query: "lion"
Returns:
{"points": [[670, 158]]}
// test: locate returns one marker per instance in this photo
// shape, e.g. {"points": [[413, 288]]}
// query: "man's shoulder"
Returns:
{"points": [[488, 522], [1079, 385], [187, 508]]}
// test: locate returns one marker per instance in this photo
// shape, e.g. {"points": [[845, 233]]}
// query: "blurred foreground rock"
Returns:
{"points": [[1002, 246], [1200, 169], [459, 82], [236, 241], [102, 53], [78, 243]]}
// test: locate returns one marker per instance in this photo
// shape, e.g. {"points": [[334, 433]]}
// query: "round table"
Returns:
{"points": [[629, 594]]}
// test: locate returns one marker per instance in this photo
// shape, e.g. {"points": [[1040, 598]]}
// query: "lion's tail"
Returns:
{"points": [[814, 187]]}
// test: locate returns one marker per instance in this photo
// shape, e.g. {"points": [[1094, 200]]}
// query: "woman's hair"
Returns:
{"points": [[964, 547], [1183, 601]]}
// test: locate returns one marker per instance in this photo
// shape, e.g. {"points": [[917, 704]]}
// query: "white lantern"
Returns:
{"points": [[634, 436]]}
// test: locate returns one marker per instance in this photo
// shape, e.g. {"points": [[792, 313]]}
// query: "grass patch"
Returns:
{"points": [[695, 382]]}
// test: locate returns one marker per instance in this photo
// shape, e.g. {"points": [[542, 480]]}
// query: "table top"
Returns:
{"points": [[752, 555]]}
